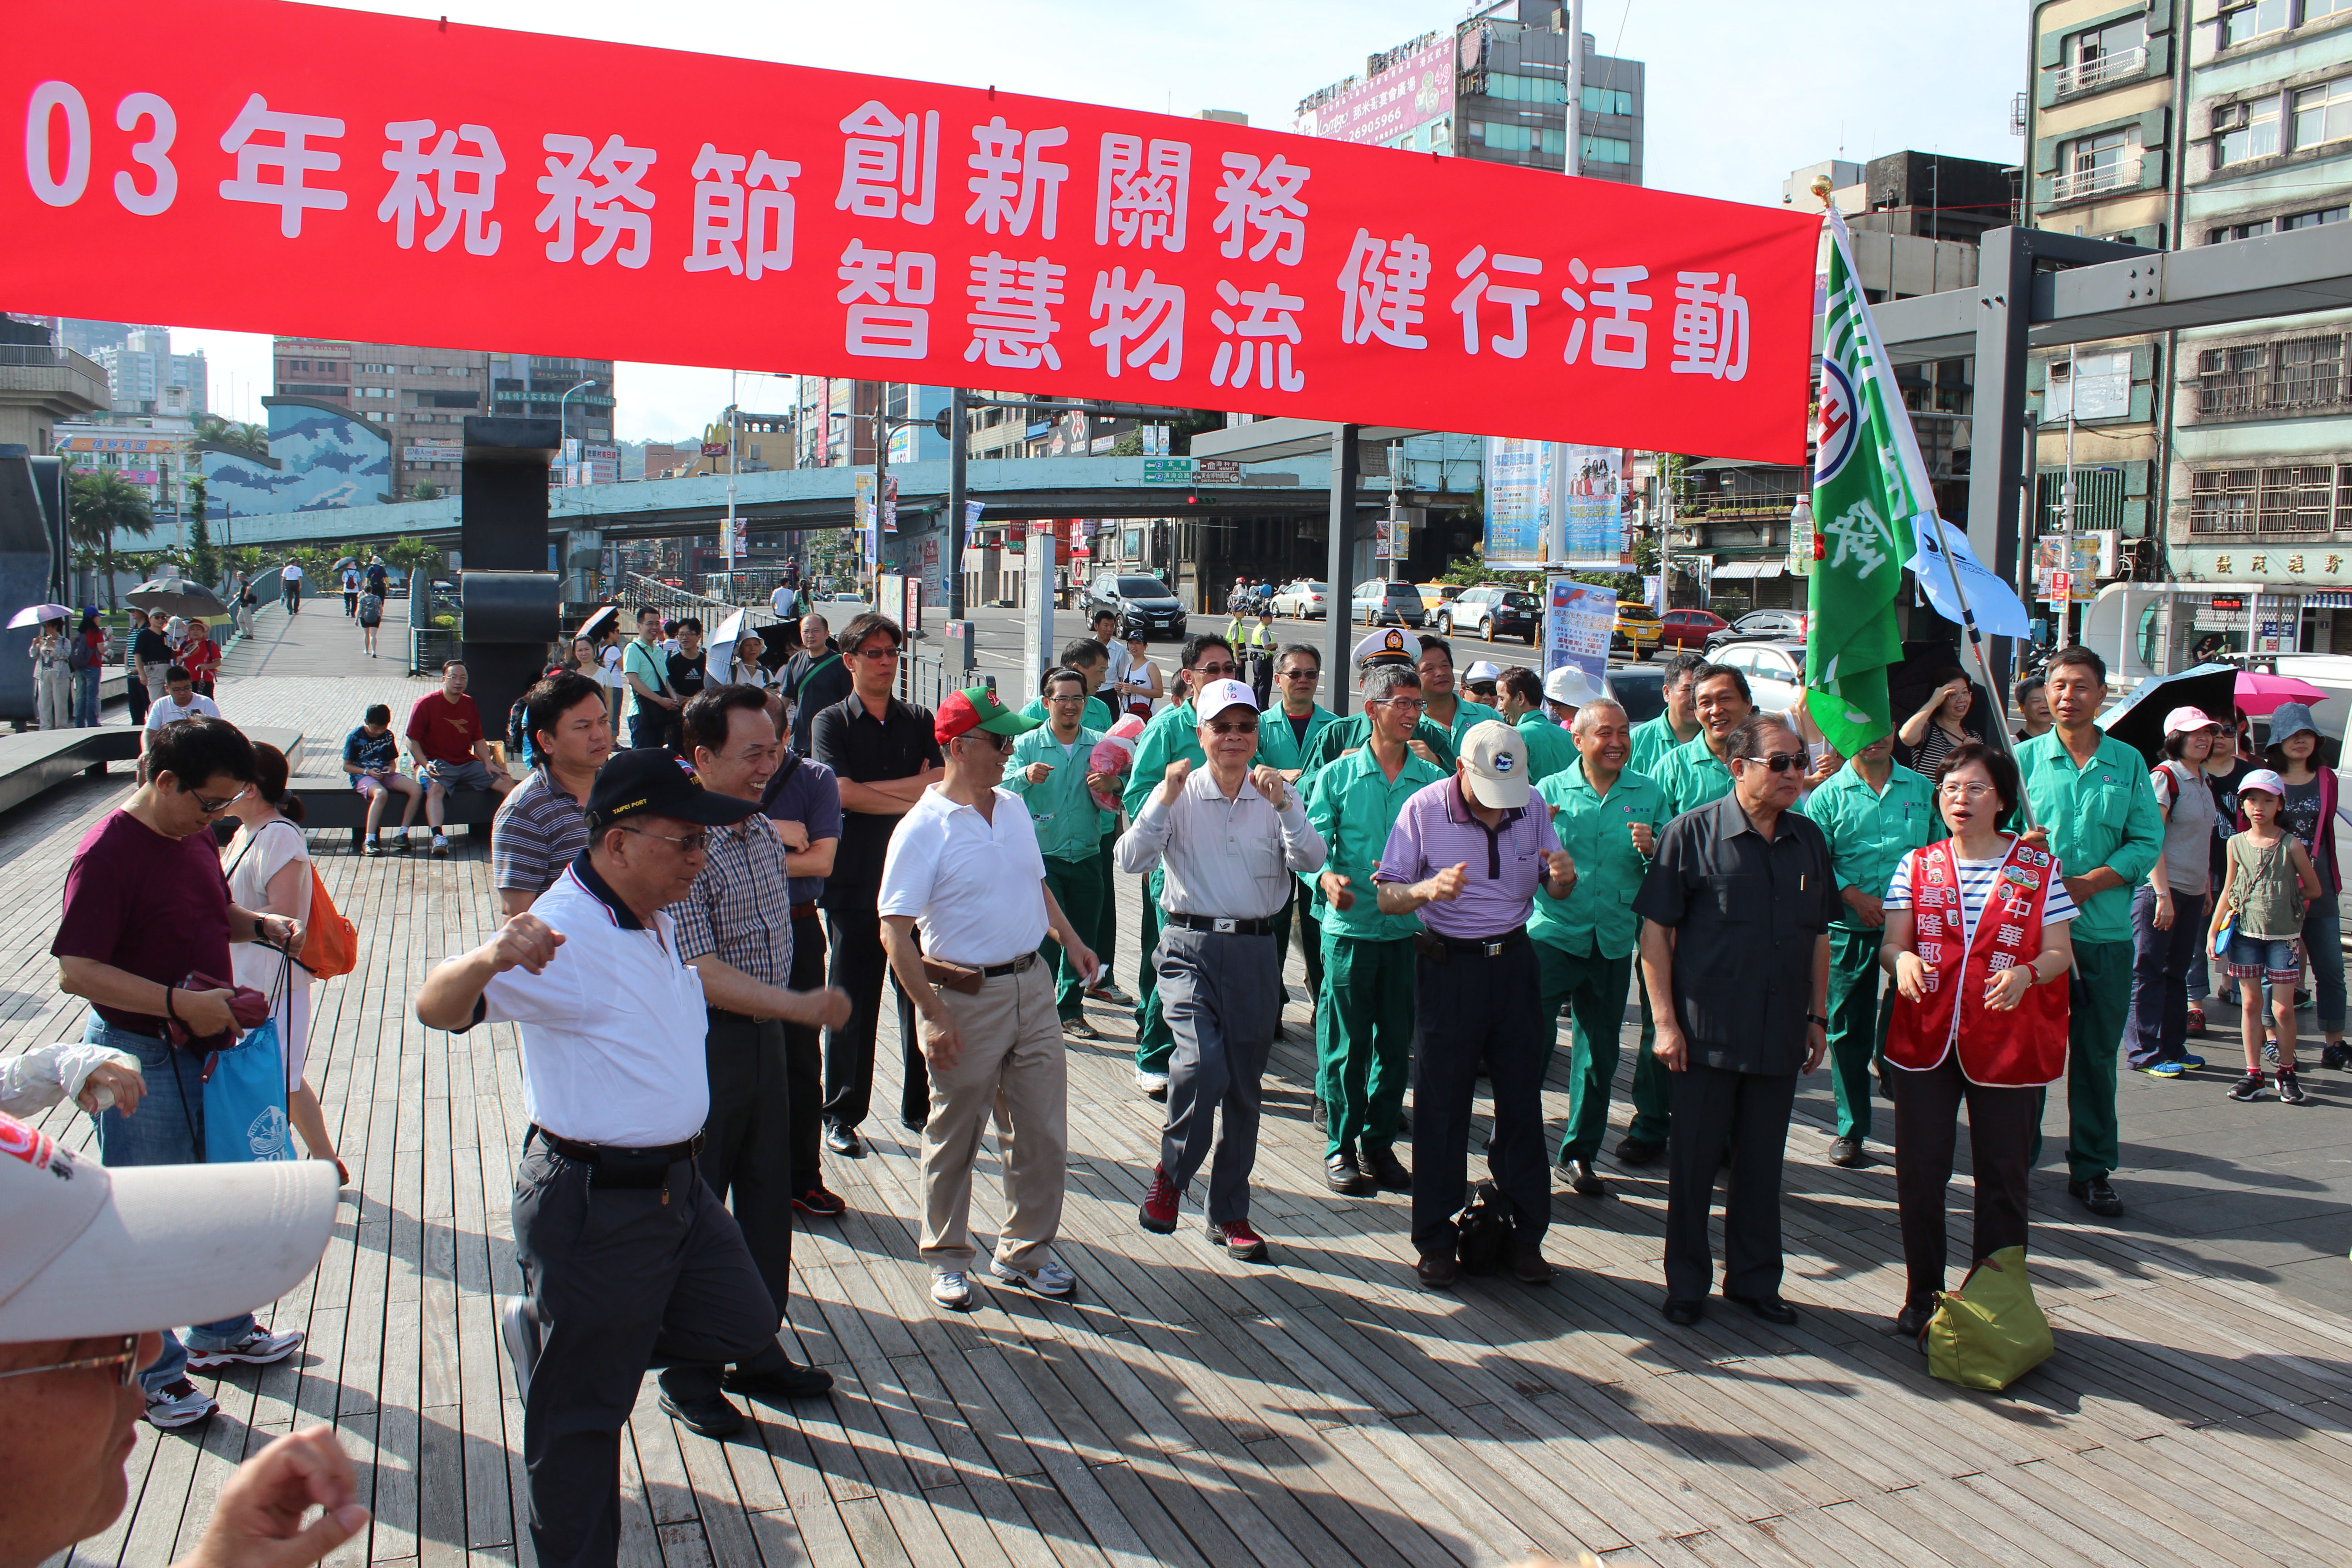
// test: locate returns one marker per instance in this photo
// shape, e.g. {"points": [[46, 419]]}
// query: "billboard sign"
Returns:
{"points": [[1592, 503], [1551, 503], [1378, 109], [566, 197], [1518, 501], [1579, 620]]}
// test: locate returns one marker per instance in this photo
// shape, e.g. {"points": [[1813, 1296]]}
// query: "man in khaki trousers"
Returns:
{"points": [[963, 869]]}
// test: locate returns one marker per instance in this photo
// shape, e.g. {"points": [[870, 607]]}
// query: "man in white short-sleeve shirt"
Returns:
{"points": [[963, 866], [617, 1089], [180, 701]]}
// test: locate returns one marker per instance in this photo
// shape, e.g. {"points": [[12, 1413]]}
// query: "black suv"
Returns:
{"points": [[1490, 613], [1142, 603]]}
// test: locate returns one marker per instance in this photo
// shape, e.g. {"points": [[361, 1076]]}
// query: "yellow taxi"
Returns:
{"points": [[1435, 596], [1638, 629]]}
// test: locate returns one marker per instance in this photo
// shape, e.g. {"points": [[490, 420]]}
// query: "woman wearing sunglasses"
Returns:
{"points": [[1977, 940]]}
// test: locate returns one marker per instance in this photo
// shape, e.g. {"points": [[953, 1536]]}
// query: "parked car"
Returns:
{"points": [[1761, 626], [1636, 630], [1435, 596], [1639, 689], [840, 609], [1142, 601], [1303, 600], [1689, 628], [1377, 603], [1489, 614], [1774, 671]]}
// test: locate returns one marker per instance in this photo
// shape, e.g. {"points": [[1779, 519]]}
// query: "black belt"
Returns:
{"points": [[619, 1167], [151, 1030], [1017, 966], [1473, 946], [722, 1015], [1222, 925]]}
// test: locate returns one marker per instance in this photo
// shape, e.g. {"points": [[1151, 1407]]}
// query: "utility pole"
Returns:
{"points": [[1394, 449], [1338, 621], [727, 541], [958, 441], [1574, 161]]}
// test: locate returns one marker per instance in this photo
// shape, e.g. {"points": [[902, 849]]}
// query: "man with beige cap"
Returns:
{"points": [[1469, 854], [93, 1263]]}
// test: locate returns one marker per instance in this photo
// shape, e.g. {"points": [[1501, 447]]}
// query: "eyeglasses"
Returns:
{"points": [[1216, 669], [877, 654], [1246, 727], [689, 843], [1410, 704], [1965, 791], [1783, 761], [127, 1358], [1300, 674], [214, 807]]}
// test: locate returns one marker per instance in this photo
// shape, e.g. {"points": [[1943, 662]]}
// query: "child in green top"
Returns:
{"points": [[2271, 879]]}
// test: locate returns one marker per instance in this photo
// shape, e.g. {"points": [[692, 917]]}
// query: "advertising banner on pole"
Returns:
{"points": [[1577, 621], [1593, 505], [1550, 503], [1518, 501], [563, 197]]}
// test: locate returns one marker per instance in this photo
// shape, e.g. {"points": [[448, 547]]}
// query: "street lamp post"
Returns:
{"points": [[563, 426]]}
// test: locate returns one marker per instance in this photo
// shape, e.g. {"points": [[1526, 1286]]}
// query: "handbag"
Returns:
{"points": [[1990, 1331], [246, 1095]]}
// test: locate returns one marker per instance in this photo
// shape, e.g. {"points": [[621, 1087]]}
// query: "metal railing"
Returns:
{"points": [[2092, 178], [2100, 70]]}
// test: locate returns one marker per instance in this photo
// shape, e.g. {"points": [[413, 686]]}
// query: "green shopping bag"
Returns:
{"points": [[1990, 1331]]}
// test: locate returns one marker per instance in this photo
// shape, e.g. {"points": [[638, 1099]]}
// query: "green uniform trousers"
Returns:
{"points": [[1652, 1082], [1858, 1019], [1363, 1040], [1310, 946], [1593, 988], [1078, 888], [1154, 1042], [2094, 1035]]}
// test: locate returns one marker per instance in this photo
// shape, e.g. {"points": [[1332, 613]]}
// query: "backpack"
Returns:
{"points": [[1990, 1331], [1484, 1228], [78, 655], [331, 943]]}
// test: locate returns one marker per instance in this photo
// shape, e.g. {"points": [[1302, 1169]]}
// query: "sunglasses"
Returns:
{"points": [[127, 1359], [1248, 727], [690, 843], [877, 654], [1215, 669], [990, 739], [1784, 762]]}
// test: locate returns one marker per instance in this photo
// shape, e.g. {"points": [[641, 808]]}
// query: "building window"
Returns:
{"points": [[2245, 130], [2253, 230], [2222, 500], [2320, 10], [2312, 220], [1502, 138], [2105, 161], [1513, 89], [2260, 227], [2104, 55], [1610, 100], [2292, 376], [2308, 373], [2323, 114], [2240, 23], [2292, 499], [2228, 381], [1607, 150]]}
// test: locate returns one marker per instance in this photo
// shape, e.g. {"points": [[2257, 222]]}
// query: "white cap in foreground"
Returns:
{"points": [[1495, 759]]}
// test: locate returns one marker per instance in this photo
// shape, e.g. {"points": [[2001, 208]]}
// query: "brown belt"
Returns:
{"points": [[804, 911]]}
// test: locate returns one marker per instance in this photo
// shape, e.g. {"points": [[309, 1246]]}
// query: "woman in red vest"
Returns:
{"points": [[1977, 940]]}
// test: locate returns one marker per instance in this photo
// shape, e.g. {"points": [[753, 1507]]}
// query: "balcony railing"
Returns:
{"points": [[2083, 76], [2073, 184]]}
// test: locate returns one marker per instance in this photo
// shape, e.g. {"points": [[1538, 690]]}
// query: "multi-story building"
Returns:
{"points": [[147, 378], [43, 382]]}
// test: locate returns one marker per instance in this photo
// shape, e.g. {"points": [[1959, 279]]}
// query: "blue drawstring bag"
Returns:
{"points": [[245, 1101]]}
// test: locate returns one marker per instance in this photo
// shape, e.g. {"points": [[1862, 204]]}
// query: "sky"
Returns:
{"points": [[1739, 93]]}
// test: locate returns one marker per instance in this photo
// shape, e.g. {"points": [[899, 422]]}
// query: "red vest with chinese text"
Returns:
{"points": [[2022, 1048]]}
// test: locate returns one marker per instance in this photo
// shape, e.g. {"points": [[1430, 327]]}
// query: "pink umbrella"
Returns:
{"points": [[2260, 694]]}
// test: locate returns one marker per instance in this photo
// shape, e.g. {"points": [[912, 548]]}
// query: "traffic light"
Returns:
{"points": [[940, 424]]}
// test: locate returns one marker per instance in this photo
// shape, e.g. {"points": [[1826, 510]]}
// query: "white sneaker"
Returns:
{"points": [[952, 1289], [1154, 1084], [258, 1348], [440, 843], [1048, 1278], [180, 1404]]}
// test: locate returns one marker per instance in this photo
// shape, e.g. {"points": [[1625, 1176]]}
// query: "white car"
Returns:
{"points": [[840, 609], [1774, 671], [1302, 600]]}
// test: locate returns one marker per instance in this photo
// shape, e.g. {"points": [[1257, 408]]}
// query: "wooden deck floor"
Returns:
{"points": [[1187, 1409]]}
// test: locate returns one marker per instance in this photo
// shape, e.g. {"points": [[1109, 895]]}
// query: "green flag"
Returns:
{"points": [[1869, 486]]}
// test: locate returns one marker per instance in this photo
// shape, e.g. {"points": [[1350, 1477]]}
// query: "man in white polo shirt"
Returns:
{"points": [[963, 866], [630, 1258]]}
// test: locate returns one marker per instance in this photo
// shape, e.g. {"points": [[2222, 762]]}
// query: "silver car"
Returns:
{"points": [[1774, 671]]}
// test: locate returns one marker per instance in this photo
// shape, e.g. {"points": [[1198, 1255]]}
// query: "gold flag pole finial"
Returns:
{"points": [[1820, 188]]}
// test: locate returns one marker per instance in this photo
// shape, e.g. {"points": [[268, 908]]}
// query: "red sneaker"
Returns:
{"points": [[820, 1202], [1238, 1239], [1158, 1213]]}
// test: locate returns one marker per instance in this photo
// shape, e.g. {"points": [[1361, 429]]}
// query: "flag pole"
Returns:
{"points": [[1976, 645]]}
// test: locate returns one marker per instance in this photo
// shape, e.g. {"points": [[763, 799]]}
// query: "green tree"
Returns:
{"points": [[100, 505], [233, 433], [201, 554], [424, 490], [409, 553]]}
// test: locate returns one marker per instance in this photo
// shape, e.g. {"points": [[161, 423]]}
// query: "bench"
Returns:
{"points": [[329, 803], [38, 760]]}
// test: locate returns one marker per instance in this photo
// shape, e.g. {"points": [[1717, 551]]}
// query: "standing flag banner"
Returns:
{"points": [[1870, 497], [567, 197]]}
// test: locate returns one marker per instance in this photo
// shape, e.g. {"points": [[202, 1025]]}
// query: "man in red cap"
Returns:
{"points": [[964, 868]]}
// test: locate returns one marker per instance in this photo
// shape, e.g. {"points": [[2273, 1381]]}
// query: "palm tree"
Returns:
{"points": [[103, 502], [233, 433]]}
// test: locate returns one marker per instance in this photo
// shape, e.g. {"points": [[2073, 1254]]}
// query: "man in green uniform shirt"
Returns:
{"points": [[1172, 735], [1549, 751], [1678, 725], [1691, 774], [1873, 812], [1430, 740], [1607, 817], [1364, 1035], [1286, 734], [2090, 792], [1050, 772], [1091, 657], [1448, 709]]}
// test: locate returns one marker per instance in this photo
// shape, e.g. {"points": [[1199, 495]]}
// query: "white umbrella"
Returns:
{"points": [[34, 615], [722, 645]]}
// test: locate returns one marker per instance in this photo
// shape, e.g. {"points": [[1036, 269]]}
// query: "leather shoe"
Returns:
{"points": [[1582, 1179], [2097, 1197], [1438, 1271], [844, 1141], [1685, 1312], [1387, 1172], [1528, 1265], [1635, 1151], [789, 1380], [1322, 1118], [1771, 1309], [1342, 1174], [1849, 1153], [1911, 1321], [710, 1415]]}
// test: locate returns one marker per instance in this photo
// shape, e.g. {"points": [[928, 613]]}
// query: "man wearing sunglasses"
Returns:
{"points": [[629, 1258], [95, 1259], [1736, 959], [1228, 838], [146, 914]]}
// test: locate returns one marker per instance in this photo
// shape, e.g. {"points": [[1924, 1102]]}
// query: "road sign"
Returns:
{"points": [[1166, 470], [2062, 586]]}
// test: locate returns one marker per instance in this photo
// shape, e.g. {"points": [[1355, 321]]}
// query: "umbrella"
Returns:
{"points": [[346, 560], [34, 615], [2260, 693], [2139, 718], [723, 641], [177, 597]]}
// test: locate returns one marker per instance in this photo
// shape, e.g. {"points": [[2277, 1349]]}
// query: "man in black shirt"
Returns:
{"points": [[884, 755], [813, 680], [688, 667], [151, 655]]}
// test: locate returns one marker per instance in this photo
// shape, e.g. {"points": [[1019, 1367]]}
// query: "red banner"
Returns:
{"points": [[273, 167]]}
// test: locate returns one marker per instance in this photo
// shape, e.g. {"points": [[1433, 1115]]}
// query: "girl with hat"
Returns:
{"points": [[2309, 812], [2262, 907], [2168, 911]]}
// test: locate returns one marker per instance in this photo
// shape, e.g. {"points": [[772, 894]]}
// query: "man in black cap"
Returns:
{"points": [[650, 1270]]}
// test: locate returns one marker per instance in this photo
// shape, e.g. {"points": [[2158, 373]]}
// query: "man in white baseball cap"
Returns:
{"points": [[93, 1262], [1231, 838]]}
